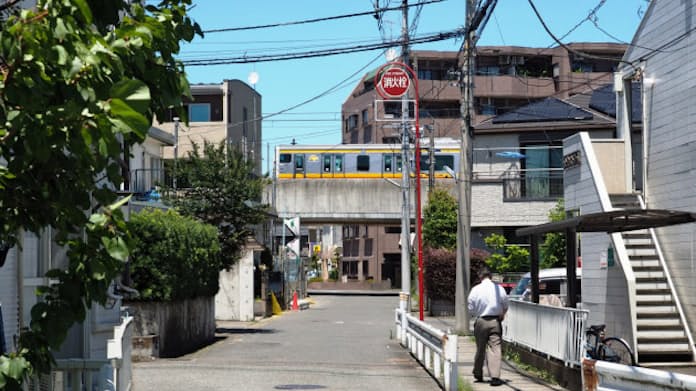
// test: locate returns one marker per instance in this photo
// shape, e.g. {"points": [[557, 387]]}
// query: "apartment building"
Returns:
{"points": [[229, 111], [506, 77]]}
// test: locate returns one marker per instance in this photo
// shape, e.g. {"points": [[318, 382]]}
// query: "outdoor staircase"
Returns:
{"points": [[662, 336]]}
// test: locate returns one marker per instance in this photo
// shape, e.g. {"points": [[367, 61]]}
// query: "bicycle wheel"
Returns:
{"points": [[616, 350]]}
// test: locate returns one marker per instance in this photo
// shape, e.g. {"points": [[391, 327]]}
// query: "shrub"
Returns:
{"points": [[441, 271], [175, 257]]}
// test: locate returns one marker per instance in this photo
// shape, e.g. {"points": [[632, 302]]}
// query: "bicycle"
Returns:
{"points": [[612, 349]]}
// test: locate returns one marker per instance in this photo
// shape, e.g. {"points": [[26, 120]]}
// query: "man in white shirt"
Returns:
{"points": [[488, 302]]}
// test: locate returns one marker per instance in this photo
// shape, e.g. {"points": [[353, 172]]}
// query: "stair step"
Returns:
{"points": [[634, 258], [641, 264], [651, 286], [655, 310], [664, 298], [665, 348], [671, 335], [649, 274], [641, 241], [641, 252], [638, 232], [661, 323]]}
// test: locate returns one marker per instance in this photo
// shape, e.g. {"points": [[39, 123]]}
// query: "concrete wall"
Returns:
{"points": [[235, 299], [604, 289], [182, 326], [670, 119]]}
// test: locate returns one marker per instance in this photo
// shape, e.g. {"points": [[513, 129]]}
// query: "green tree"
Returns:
{"points": [[79, 80], [223, 192], [506, 258], [440, 220], [553, 250]]}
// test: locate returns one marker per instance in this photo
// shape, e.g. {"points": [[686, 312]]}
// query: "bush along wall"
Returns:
{"points": [[175, 257], [440, 271]]}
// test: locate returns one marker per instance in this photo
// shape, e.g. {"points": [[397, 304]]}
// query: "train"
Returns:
{"points": [[361, 161]]}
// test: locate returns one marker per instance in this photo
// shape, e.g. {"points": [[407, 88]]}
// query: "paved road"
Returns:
{"points": [[340, 343]]}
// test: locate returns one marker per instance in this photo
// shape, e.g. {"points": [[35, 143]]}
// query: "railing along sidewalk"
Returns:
{"points": [[557, 332], [433, 348]]}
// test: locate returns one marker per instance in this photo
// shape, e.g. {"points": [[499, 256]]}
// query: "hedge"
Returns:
{"points": [[441, 271], [175, 257]]}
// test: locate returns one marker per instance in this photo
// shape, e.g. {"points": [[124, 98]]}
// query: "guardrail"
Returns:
{"points": [[607, 376], [556, 332], [433, 348]]}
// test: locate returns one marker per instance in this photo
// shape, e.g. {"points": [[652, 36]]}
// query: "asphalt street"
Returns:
{"points": [[340, 343]]}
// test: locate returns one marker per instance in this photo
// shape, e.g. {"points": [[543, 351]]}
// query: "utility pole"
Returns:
{"points": [[464, 182], [404, 296], [475, 21]]}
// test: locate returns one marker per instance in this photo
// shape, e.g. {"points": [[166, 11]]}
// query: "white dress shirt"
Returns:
{"points": [[487, 299]]}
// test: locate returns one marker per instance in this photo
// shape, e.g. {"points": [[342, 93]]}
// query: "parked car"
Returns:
{"points": [[553, 286]]}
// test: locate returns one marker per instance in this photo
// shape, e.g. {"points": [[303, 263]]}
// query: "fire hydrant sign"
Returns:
{"points": [[394, 82]]}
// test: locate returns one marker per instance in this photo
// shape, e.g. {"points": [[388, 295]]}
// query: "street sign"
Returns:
{"points": [[293, 225], [394, 83]]}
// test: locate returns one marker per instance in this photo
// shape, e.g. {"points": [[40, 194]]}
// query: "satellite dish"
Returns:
{"points": [[253, 78], [391, 54]]}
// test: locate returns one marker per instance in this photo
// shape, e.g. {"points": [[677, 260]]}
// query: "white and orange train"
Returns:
{"points": [[360, 161]]}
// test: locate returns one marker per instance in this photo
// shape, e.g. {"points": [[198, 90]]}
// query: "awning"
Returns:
{"points": [[614, 221]]}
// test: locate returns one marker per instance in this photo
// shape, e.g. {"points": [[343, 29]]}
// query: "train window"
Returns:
{"points": [[387, 163], [299, 162], [285, 158], [444, 160], [327, 163], [338, 162], [399, 164], [363, 163]]}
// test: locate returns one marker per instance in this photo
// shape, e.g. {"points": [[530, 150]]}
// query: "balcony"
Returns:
{"points": [[533, 185], [514, 86]]}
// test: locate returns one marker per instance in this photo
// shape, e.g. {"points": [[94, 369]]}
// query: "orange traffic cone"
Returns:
{"points": [[295, 306]]}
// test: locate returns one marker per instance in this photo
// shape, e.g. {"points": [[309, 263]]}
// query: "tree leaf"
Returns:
{"points": [[116, 247], [126, 119], [133, 92]]}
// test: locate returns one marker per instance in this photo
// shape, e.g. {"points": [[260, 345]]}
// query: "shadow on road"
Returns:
{"points": [[242, 330]]}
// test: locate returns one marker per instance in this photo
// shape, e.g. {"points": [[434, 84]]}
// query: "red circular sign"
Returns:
{"points": [[394, 82]]}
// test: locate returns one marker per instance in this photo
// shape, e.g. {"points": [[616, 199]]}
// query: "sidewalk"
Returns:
{"points": [[466, 348]]}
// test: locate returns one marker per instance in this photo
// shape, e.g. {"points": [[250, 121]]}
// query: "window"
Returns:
{"points": [[299, 162], [285, 158], [366, 268], [398, 163], [363, 163], [440, 162], [199, 112], [387, 163], [353, 121], [365, 118], [327, 163], [394, 229], [338, 162]]}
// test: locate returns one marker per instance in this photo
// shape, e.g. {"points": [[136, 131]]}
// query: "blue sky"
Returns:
{"points": [[284, 84]]}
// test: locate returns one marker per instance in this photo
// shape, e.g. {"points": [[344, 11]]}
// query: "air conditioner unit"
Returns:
{"points": [[504, 60]]}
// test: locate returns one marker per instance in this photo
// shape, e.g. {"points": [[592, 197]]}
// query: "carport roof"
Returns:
{"points": [[614, 221]]}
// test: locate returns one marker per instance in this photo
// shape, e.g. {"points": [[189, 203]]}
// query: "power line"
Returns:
{"points": [[568, 48], [442, 36], [375, 11]]}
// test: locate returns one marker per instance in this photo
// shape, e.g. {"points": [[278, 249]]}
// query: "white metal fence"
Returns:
{"points": [[607, 376], [434, 349], [556, 332]]}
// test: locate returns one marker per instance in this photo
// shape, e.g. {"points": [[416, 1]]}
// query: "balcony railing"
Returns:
{"points": [[145, 179], [533, 185]]}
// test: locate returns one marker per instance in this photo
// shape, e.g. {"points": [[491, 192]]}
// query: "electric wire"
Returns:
{"points": [[315, 20], [442, 36]]}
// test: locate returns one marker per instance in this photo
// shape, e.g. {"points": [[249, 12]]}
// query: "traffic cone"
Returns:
{"points": [[295, 306], [276, 306]]}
